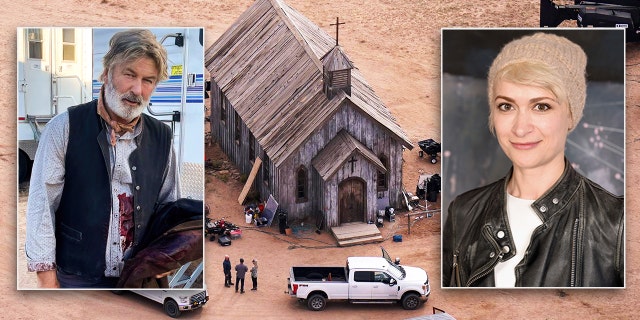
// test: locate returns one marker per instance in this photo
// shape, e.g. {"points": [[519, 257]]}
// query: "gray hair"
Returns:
{"points": [[129, 45]]}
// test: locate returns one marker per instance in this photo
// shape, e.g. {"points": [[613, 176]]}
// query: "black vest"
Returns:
{"points": [[82, 218]]}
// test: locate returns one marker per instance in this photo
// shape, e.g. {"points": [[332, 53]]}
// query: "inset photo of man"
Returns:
{"points": [[110, 139]]}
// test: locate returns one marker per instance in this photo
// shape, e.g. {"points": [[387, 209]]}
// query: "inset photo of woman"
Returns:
{"points": [[533, 136]]}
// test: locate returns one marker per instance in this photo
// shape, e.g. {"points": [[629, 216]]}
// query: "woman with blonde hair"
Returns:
{"points": [[544, 224]]}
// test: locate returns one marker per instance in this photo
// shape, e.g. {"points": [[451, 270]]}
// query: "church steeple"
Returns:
{"points": [[336, 69]]}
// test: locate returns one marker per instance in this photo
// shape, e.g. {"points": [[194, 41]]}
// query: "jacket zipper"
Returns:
{"points": [[456, 269], [493, 263], [574, 252], [576, 248]]}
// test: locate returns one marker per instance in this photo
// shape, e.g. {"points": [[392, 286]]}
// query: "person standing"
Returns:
{"points": [[241, 270], [226, 268], [254, 275], [100, 170]]}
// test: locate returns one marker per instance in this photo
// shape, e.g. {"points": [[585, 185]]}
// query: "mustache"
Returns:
{"points": [[132, 97]]}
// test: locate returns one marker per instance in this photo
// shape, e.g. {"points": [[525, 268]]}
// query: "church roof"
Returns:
{"points": [[268, 65], [336, 59], [336, 153]]}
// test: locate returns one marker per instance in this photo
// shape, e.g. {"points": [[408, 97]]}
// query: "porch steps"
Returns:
{"points": [[349, 234]]}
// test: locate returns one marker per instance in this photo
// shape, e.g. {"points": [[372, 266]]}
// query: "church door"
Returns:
{"points": [[351, 197]]}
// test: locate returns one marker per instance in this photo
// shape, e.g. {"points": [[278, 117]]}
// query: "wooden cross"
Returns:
{"points": [[337, 24], [353, 162]]}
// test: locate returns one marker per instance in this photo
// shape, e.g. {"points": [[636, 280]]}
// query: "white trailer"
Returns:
{"points": [[60, 67], [54, 73]]}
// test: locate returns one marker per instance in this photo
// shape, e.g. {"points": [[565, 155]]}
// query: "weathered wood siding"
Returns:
{"points": [[214, 112], [268, 66], [317, 192], [364, 170], [223, 131], [373, 136]]}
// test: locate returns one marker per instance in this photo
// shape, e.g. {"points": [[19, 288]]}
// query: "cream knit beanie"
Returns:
{"points": [[555, 51]]}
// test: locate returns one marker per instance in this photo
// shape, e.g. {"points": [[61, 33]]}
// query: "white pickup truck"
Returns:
{"points": [[363, 280]]}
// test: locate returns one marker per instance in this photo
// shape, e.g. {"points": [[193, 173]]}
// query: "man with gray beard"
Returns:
{"points": [[100, 171]]}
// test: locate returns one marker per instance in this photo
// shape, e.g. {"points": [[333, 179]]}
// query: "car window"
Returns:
{"points": [[380, 276], [363, 276]]}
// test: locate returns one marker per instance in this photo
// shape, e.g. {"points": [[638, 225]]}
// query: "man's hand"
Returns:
{"points": [[48, 279], [162, 275]]}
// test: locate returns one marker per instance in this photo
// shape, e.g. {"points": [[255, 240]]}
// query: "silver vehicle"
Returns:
{"points": [[174, 301]]}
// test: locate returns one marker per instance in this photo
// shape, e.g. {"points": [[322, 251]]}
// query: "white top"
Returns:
{"points": [[522, 221]]}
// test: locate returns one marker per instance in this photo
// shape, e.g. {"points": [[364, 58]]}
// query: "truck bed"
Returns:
{"points": [[319, 274]]}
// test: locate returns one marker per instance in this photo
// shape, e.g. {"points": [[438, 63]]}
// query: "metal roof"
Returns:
{"points": [[268, 66]]}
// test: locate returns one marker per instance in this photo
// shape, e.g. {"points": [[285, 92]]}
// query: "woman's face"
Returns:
{"points": [[530, 124]]}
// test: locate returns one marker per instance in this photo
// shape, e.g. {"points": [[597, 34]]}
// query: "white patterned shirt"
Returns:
{"points": [[47, 183]]}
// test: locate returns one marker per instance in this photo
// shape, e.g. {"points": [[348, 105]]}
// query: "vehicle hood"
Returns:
{"points": [[414, 274]]}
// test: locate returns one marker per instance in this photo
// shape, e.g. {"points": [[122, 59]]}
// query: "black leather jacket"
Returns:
{"points": [[579, 244]]}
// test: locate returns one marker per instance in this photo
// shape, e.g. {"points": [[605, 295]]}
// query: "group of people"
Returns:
{"points": [[241, 271]]}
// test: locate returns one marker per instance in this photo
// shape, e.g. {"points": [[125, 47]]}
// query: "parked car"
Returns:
{"points": [[174, 301], [362, 280]]}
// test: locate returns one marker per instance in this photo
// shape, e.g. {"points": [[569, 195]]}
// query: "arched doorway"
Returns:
{"points": [[351, 199]]}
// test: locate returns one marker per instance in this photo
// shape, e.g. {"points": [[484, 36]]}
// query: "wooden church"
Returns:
{"points": [[286, 100]]}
